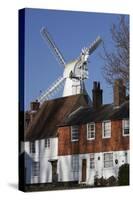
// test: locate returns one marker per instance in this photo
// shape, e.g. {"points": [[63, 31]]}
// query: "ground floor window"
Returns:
{"points": [[35, 169], [92, 161], [75, 163], [108, 160]]}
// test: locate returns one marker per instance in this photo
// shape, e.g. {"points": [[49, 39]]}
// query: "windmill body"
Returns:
{"points": [[75, 71]]}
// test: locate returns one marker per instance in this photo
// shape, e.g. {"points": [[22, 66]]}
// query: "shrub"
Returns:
{"points": [[123, 175], [112, 181]]}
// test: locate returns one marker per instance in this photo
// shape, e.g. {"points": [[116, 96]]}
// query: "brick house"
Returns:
{"points": [[69, 139], [94, 142]]}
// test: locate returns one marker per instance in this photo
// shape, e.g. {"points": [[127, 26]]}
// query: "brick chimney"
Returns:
{"points": [[97, 95], [119, 92], [34, 106]]}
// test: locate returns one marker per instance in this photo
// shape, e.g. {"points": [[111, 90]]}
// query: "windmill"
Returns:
{"points": [[75, 71]]}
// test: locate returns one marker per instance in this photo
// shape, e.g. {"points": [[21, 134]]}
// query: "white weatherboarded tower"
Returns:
{"points": [[75, 71]]}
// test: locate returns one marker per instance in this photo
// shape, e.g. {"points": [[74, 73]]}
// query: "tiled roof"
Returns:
{"points": [[51, 114], [105, 112]]}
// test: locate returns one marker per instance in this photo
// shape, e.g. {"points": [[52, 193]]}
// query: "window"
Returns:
{"points": [[106, 129], [75, 163], [91, 131], [35, 169], [125, 124], [74, 133], [92, 161], [47, 143], [108, 160], [32, 147]]}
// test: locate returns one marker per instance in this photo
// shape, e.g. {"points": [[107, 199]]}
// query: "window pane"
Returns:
{"points": [[75, 163], [108, 160], [91, 131], [92, 161], [47, 143], [32, 147], [35, 168], [75, 132], [107, 129], [126, 127]]}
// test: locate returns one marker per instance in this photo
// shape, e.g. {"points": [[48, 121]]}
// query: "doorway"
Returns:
{"points": [[54, 170], [84, 164]]}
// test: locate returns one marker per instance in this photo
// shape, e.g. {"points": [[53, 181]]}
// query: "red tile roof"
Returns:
{"points": [[51, 114]]}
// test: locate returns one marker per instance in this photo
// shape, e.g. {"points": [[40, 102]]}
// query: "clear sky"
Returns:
{"points": [[71, 32]]}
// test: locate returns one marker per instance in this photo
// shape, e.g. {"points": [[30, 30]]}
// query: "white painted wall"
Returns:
{"points": [[42, 155], [64, 164], [65, 167], [47, 154]]}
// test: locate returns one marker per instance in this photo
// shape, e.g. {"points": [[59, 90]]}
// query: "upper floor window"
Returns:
{"points": [[92, 161], [125, 126], [91, 131], [108, 160], [75, 163], [106, 129], [35, 168], [47, 143], [32, 147], [74, 133]]}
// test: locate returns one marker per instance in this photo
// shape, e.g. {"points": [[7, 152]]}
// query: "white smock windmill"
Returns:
{"points": [[75, 72]]}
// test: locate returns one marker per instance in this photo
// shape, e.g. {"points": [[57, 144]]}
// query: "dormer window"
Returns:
{"points": [[125, 127], [74, 133]]}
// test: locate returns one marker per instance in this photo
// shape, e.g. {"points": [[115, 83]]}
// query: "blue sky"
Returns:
{"points": [[71, 32]]}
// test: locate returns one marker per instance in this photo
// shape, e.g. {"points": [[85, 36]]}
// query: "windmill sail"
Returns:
{"points": [[53, 46], [55, 87]]}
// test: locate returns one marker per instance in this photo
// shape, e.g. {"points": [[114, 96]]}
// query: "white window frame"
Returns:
{"points": [[75, 163], [74, 140], [103, 129], [108, 161], [32, 146], [124, 127], [89, 131], [47, 143], [92, 161], [35, 169]]}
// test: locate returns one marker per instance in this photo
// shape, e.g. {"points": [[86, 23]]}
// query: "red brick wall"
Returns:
{"points": [[115, 143]]}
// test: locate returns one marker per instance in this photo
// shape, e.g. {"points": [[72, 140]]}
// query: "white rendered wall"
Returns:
{"points": [[64, 164], [47, 154], [42, 155], [65, 167]]}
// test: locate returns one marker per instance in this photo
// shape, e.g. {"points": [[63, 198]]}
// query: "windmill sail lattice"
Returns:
{"points": [[53, 46], [75, 71], [55, 87]]}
